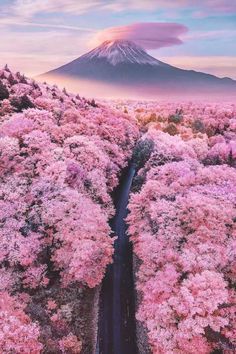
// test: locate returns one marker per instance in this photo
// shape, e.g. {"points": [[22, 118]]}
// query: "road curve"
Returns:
{"points": [[117, 334]]}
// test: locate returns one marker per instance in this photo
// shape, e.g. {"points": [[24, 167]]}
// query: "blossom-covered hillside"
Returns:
{"points": [[60, 158], [183, 226]]}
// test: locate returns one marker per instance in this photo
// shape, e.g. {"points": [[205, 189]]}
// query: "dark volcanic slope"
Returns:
{"points": [[124, 62]]}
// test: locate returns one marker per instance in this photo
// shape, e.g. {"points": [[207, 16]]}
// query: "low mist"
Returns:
{"points": [[101, 90]]}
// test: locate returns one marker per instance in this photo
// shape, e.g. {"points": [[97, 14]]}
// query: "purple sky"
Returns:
{"points": [[38, 35]]}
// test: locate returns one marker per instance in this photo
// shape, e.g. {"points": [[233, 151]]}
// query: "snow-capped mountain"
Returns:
{"points": [[120, 51], [122, 62]]}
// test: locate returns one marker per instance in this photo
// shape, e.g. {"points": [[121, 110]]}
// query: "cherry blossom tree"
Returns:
{"points": [[60, 159], [182, 224]]}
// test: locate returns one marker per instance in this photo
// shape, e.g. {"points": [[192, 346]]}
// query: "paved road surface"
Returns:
{"points": [[116, 323]]}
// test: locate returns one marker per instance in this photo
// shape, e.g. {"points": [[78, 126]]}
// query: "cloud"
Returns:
{"points": [[29, 8], [216, 6], [222, 6], [14, 22], [149, 35], [39, 51], [211, 35]]}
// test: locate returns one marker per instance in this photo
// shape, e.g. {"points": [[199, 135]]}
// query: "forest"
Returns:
{"points": [[61, 158]]}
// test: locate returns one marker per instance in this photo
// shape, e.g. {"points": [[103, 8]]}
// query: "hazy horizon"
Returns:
{"points": [[101, 90]]}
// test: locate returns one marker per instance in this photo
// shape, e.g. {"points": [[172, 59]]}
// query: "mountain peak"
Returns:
{"points": [[120, 43], [121, 51], [122, 62]]}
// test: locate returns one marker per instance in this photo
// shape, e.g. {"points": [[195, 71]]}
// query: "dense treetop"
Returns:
{"points": [[60, 157]]}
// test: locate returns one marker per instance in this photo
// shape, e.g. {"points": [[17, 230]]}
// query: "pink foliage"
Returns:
{"points": [[60, 157], [18, 334], [80, 230], [70, 344], [182, 224]]}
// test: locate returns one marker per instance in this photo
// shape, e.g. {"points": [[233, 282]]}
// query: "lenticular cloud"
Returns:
{"points": [[151, 35]]}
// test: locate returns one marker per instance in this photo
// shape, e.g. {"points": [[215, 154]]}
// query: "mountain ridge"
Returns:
{"points": [[126, 63]]}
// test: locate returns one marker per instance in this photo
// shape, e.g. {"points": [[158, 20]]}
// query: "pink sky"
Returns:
{"points": [[39, 35]]}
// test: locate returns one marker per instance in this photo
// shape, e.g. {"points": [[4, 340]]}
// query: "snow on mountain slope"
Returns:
{"points": [[122, 63], [121, 51]]}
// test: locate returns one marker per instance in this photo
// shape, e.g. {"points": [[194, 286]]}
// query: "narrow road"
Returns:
{"points": [[117, 308]]}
